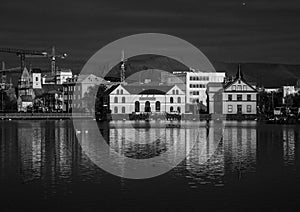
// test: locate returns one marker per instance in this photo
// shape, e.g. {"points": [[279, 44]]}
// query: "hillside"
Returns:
{"points": [[268, 75]]}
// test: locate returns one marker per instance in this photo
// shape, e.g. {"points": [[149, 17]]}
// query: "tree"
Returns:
{"points": [[93, 98], [8, 100]]}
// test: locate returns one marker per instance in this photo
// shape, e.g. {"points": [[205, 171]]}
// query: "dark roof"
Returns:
{"points": [[52, 87], [146, 89], [111, 88], [26, 98], [36, 70]]}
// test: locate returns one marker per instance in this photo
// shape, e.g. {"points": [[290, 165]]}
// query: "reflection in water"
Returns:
{"points": [[47, 151]]}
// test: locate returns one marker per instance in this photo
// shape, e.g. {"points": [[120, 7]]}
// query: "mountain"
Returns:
{"points": [[268, 75]]}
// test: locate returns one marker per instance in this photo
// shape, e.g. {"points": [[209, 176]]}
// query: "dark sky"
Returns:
{"points": [[266, 31]]}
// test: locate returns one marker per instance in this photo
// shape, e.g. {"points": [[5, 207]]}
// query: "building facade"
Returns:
{"points": [[194, 84], [235, 98], [75, 88], [239, 97], [128, 99], [36, 79]]}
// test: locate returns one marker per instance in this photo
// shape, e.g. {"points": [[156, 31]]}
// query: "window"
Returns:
{"points": [[116, 109], [239, 87], [173, 92], [244, 87], [171, 100], [229, 97], [137, 106], [239, 97], [249, 97], [239, 108], [123, 99], [177, 92], [178, 100], [178, 109], [157, 106], [248, 108], [147, 107], [233, 87], [36, 79], [123, 109], [171, 109], [118, 92], [116, 100], [121, 91], [229, 108]]}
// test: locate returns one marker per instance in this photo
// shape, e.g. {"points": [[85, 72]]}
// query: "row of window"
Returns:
{"points": [[157, 109], [116, 100], [199, 78], [239, 88], [119, 91], [175, 92], [193, 100], [239, 108], [194, 93], [123, 100], [72, 88], [197, 86], [239, 97]]}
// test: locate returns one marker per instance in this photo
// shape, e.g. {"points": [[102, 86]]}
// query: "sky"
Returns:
{"points": [[259, 31]]}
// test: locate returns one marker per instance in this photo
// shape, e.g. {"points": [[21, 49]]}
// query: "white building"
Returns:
{"points": [[62, 75], [128, 99], [196, 85], [59, 78], [236, 97], [36, 79]]}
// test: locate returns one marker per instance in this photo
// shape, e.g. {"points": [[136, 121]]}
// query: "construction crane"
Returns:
{"points": [[23, 53], [53, 57]]}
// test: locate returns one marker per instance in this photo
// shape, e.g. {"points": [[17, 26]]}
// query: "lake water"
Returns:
{"points": [[45, 166]]}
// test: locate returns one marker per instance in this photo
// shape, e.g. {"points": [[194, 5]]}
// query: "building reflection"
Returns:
{"points": [[49, 151]]}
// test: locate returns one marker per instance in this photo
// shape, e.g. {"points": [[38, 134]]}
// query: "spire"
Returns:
{"points": [[239, 74], [122, 66]]}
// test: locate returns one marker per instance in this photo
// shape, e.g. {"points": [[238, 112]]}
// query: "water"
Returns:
{"points": [[254, 166]]}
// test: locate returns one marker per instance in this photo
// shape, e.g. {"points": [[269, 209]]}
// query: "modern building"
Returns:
{"points": [[128, 99], [62, 75], [236, 97], [195, 84], [59, 78]]}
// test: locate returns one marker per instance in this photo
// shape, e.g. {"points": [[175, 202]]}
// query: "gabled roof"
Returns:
{"points": [[82, 78], [111, 88], [239, 76], [25, 74]]}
